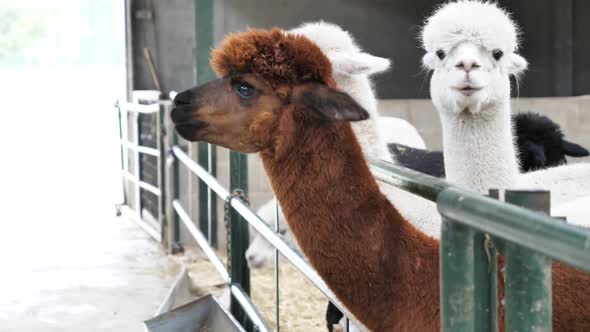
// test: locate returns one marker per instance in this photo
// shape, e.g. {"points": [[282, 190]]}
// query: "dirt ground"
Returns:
{"points": [[302, 305]]}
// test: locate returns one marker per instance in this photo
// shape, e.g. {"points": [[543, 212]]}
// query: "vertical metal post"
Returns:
{"points": [[137, 168], [485, 265], [212, 198], [486, 275], [239, 272], [122, 146], [457, 277], [175, 195], [527, 275], [206, 153], [161, 134], [172, 227], [202, 159]]}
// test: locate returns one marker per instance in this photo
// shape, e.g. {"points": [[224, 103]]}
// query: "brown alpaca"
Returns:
{"points": [[277, 97]]}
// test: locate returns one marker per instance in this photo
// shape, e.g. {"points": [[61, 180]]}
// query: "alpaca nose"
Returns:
{"points": [[186, 97], [467, 65]]}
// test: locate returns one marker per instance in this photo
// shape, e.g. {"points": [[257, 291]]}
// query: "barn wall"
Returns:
{"points": [[555, 38]]}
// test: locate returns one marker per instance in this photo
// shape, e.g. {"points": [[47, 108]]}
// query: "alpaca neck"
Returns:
{"points": [[350, 233], [479, 149], [367, 132]]}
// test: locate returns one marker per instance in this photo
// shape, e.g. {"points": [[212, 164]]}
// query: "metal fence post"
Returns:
{"points": [[239, 237], [206, 155], [137, 164], [527, 275], [166, 160], [486, 277], [122, 147], [175, 243], [160, 132], [457, 277]]}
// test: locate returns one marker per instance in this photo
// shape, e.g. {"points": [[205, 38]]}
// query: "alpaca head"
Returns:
{"points": [[271, 82], [542, 143], [471, 49], [346, 56]]}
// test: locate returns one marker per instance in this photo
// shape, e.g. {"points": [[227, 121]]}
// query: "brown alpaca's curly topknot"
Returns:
{"points": [[274, 55]]}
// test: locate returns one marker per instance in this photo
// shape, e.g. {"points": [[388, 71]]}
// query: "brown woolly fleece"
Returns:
{"points": [[274, 55]]}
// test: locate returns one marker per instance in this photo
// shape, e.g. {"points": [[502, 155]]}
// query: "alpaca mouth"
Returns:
{"points": [[468, 90], [188, 129]]}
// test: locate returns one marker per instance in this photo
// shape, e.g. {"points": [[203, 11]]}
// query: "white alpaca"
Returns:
{"points": [[396, 130], [471, 49], [352, 68]]}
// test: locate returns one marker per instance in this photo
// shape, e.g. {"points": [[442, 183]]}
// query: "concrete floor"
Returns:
{"points": [[111, 278], [66, 262]]}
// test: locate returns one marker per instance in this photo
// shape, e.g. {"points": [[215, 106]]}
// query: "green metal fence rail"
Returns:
{"points": [[528, 239]]}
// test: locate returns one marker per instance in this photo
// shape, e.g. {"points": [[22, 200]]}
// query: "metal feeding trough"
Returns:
{"points": [[180, 312], [202, 315]]}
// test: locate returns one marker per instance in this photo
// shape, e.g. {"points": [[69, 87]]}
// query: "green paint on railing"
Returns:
{"points": [[202, 159], [527, 275], [203, 73], [528, 229], [486, 277], [175, 196], [239, 272], [417, 183], [457, 277], [212, 198], [486, 294]]}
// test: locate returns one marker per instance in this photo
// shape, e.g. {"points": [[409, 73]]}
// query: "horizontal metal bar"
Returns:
{"points": [[201, 172], [532, 230], [415, 182], [148, 151], [249, 308], [262, 228], [129, 176], [139, 108], [141, 149], [150, 188], [142, 184], [201, 241]]}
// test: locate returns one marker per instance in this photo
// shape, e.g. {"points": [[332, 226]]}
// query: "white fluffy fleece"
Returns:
{"points": [[470, 88], [351, 69], [483, 23]]}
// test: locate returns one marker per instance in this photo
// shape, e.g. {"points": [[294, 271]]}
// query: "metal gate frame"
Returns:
{"points": [[133, 178]]}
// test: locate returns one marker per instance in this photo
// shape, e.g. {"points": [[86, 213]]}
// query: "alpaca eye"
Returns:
{"points": [[497, 54], [441, 54], [245, 90]]}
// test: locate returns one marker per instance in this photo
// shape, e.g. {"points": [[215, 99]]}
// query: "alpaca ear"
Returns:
{"points": [[330, 103], [573, 149], [358, 63], [516, 64], [429, 61]]}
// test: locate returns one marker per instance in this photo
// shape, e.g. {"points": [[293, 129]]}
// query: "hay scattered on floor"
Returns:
{"points": [[302, 305]]}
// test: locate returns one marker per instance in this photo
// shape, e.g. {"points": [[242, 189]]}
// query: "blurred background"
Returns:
{"points": [[68, 262]]}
